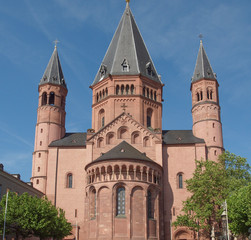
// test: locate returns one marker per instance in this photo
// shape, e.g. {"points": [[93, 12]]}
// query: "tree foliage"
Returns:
{"points": [[211, 184], [239, 205], [33, 216]]}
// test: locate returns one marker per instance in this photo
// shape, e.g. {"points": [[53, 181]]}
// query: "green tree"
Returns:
{"points": [[239, 206], [28, 215], [208, 191], [211, 184]]}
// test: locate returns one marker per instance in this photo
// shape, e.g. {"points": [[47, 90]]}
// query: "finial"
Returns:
{"points": [[56, 43], [127, 3], [201, 37]]}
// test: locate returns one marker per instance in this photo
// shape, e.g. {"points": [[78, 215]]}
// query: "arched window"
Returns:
{"points": [[135, 138], [127, 89], [201, 95], [122, 89], [149, 117], [93, 205], [120, 201], [180, 180], [151, 94], [132, 89], [147, 92], [100, 142], [198, 97], [100, 95], [103, 122], [144, 91], [155, 96], [44, 98], [103, 93], [209, 94], [52, 98], [149, 204], [97, 97], [69, 180], [101, 119], [117, 90], [106, 92]]}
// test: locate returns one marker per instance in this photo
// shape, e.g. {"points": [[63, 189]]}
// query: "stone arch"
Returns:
{"points": [[116, 171], [149, 117], [135, 137], [181, 234], [110, 138], [101, 118], [127, 89], [137, 211], [117, 90], [104, 212], [100, 142], [146, 142], [44, 98], [124, 171], [109, 172], [123, 132], [51, 98]]}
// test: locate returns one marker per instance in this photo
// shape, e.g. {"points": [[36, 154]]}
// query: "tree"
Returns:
{"points": [[211, 184], [208, 188], [28, 215], [239, 205]]}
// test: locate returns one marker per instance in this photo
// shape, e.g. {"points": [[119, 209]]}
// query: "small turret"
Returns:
{"points": [[205, 105], [50, 118]]}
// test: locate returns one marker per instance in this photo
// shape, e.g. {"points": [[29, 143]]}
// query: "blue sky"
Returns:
{"points": [[84, 28]]}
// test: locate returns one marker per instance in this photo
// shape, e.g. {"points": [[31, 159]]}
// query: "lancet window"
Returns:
{"points": [[120, 200]]}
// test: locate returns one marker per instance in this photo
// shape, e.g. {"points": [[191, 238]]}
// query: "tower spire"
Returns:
{"points": [[127, 53], [203, 69], [53, 72]]}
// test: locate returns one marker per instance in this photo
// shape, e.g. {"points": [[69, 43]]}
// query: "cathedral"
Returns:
{"points": [[123, 178]]}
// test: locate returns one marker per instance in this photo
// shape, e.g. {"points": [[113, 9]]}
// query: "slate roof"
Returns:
{"points": [[70, 140], [124, 151], [53, 72], [127, 50], [203, 68], [180, 137]]}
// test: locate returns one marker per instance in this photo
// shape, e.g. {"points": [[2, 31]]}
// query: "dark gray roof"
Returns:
{"points": [[127, 50], [180, 137], [203, 68], [70, 140], [53, 72], [124, 151]]}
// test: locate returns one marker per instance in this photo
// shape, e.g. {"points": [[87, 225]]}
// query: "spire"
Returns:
{"points": [[53, 72], [203, 68], [127, 53]]}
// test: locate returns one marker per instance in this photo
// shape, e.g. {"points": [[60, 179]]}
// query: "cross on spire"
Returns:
{"points": [[200, 37], [56, 43], [124, 107]]}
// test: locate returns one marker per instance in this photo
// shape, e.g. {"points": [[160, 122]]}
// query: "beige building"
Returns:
{"points": [[13, 183]]}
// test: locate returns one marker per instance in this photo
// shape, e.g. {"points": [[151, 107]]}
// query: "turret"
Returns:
{"points": [[205, 105], [127, 80], [50, 118]]}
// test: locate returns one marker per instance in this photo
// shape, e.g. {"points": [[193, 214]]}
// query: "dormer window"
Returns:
{"points": [[125, 66], [103, 70], [149, 68]]}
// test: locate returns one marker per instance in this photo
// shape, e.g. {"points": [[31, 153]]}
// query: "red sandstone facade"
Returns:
{"points": [[123, 178]]}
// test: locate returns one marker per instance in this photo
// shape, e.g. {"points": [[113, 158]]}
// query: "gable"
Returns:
{"points": [[124, 128]]}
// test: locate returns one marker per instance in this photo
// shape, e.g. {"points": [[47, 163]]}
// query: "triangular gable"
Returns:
{"points": [[118, 121]]}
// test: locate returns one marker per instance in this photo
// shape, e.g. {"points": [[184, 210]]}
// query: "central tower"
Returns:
{"points": [[127, 80]]}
